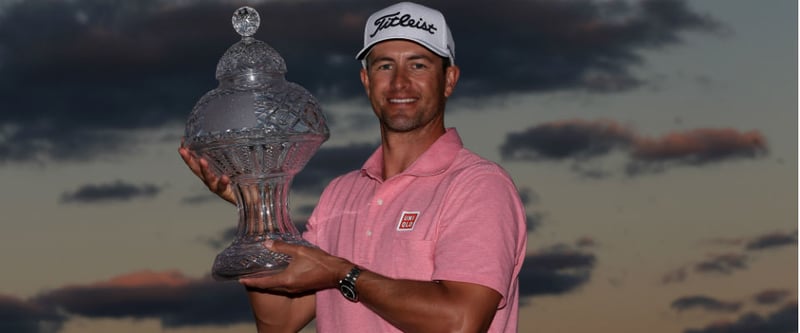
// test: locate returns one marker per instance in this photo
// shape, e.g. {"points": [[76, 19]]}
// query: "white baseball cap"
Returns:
{"points": [[413, 22]]}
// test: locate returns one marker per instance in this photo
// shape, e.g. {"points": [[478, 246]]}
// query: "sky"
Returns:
{"points": [[654, 144]]}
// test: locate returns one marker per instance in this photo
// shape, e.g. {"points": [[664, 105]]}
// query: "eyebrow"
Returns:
{"points": [[416, 56], [421, 57]]}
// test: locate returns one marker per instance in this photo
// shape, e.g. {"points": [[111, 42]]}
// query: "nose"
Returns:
{"points": [[400, 78]]}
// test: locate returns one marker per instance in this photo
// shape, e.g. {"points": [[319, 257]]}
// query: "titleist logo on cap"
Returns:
{"points": [[412, 22], [394, 20]]}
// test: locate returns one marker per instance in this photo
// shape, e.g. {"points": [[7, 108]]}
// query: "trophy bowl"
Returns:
{"points": [[260, 130]]}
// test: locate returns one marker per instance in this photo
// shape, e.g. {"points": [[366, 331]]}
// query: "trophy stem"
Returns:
{"points": [[263, 214]]}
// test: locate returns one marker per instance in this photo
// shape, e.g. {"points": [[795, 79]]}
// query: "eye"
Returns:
{"points": [[383, 66], [419, 65]]}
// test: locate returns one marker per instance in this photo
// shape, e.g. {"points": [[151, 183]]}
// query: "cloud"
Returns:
{"points": [[568, 139], [723, 263], [705, 303], [116, 191], [84, 76], [330, 162], [728, 263], [169, 296], [21, 316], [759, 242], [695, 147], [550, 45], [555, 270], [783, 320], [772, 240], [771, 296], [579, 141], [533, 219]]}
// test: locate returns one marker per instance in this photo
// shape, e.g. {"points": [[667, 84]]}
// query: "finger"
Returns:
{"points": [[280, 246], [264, 282], [190, 161], [209, 175]]}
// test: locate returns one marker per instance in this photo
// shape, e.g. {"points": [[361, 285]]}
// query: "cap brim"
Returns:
{"points": [[361, 55]]}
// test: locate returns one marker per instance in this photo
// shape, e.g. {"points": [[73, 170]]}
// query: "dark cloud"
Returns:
{"points": [[722, 263], [580, 140], [548, 45], [570, 139], [79, 78], [21, 316], [728, 263], [528, 196], [771, 296], [759, 242], [695, 147], [116, 191], [533, 220], [783, 320], [168, 296], [330, 162], [772, 240], [555, 270], [705, 303]]}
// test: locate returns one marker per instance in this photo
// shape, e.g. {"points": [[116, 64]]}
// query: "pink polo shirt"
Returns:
{"points": [[451, 215]]}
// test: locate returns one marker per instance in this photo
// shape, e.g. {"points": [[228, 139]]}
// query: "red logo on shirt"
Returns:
{"points": [[407, 221]]}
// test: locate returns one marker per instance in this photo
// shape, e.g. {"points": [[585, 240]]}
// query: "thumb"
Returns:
{"points": [[279, 246]]}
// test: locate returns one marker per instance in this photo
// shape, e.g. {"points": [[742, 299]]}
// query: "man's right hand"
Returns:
{"points": [[220, 185]]}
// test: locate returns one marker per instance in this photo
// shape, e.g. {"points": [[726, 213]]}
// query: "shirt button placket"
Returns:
{"points": [[366, 252]]}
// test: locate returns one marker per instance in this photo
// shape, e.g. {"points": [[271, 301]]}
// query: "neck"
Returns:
{"points": [[401, 149]]}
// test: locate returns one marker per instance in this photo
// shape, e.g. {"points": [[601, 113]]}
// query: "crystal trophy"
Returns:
{"points": [[259, 130]]}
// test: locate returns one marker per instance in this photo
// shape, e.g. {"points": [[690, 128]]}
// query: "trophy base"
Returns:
{"points": [[251, 259]]}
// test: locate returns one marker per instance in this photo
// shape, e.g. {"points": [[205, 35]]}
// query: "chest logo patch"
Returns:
{"points": [[407, 221]]}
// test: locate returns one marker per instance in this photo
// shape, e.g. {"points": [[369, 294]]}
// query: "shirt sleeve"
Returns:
{"points": [[482, 234]]}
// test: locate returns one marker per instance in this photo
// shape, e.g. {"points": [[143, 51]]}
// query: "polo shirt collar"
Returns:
{"points": [[433, 161]]}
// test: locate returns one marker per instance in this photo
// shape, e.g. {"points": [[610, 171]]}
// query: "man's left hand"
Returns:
{"points": [[309, 270]]}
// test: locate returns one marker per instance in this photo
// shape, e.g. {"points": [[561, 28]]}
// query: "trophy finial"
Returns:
{"points": [[245, 21]]}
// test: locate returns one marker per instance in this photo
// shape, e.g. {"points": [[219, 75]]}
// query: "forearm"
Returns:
{"points": [[411, 306], [428, 306], [280, 313]]}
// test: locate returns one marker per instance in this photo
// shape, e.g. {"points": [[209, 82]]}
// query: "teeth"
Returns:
{"points": [[401, 100]]}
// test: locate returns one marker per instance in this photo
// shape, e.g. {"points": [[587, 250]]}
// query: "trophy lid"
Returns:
{"points": [[253, 99], [249, 55]]}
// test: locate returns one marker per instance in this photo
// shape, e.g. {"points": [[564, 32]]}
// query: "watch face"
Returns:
{"points": [[348, 292]]}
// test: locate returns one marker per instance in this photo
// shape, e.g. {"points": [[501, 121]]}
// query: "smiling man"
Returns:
{"points": [[427, 236]]}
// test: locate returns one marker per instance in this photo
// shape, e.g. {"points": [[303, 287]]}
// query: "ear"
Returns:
{"points": [[365, 80], [450, 79]]}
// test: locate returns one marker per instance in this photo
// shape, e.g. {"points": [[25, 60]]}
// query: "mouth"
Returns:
{"points": [[402, 100]]}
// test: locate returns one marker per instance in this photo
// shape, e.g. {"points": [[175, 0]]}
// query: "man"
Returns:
{"points": [[427, 236]]}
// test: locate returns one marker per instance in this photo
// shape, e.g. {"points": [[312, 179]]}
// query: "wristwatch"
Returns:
{"points": [[348, 285]]}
